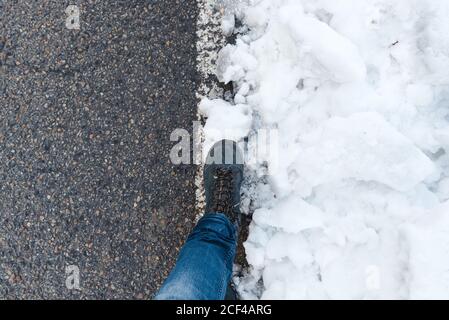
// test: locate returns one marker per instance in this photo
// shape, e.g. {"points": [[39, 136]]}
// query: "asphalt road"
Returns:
{"points": [[85, 123]]}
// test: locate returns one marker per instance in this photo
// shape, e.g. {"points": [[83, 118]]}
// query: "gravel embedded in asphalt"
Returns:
{"points": [[85, 123]]}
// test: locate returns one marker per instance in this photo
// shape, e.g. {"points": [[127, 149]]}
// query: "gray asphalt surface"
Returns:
{"points": [[85, 123]]}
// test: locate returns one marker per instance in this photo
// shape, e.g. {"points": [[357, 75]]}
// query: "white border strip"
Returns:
{"points": [[210, 40]]}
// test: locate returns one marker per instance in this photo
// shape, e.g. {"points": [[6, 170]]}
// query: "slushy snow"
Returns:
{"points": [[356, 205]]}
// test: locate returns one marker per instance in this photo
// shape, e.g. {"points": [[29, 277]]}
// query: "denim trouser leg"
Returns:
{"points": [[204, 265]]}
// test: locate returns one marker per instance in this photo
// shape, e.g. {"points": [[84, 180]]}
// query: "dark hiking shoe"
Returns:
{"points": [[223, 175]]}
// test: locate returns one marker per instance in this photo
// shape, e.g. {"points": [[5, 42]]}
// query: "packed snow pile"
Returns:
{"points": [[357, 204]]}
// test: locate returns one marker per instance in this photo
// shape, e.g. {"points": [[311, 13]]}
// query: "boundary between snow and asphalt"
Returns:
{"points": [[210, 39]]}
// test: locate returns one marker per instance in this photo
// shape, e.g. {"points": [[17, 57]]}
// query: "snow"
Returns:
{"points": [[429, 255], [356, 203], [331, 50], [236, 119], [362, 146], [228, 24]]}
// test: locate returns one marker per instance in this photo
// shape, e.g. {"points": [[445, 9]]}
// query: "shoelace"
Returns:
{"points": [[222, 194]]}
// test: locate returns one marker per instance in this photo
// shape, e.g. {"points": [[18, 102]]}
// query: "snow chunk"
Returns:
{"points": [[227, 24], [333, 51], [292, 215], [224, 121], [234, 61], [364, 147]]}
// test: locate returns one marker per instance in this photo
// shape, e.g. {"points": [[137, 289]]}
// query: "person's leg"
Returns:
{"points": [[204, 267]]}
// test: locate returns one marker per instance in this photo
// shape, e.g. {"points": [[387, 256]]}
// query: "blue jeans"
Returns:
{"points": [[204, 267]]}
